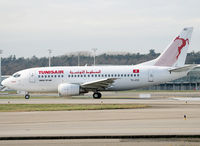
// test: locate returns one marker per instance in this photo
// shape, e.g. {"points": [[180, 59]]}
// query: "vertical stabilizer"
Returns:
{"points": [[175, 54]]}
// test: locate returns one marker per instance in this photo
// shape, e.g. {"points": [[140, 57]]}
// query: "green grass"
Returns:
{"points": [[65, 107], [32, 97], [9, 92]]}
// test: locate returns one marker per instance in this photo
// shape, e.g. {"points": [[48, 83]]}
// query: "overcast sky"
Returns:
{"points": [[31, 27]]}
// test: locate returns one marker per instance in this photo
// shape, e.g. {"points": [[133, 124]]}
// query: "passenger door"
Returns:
{"points": [[32, 77], [150, 76]]}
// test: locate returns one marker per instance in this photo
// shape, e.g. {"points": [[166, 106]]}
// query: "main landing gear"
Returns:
{"points": [[97, 95], [27, 96]]}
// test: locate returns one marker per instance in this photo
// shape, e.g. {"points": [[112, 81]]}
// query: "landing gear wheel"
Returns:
{"points": [[97, 95], [27, 96]]}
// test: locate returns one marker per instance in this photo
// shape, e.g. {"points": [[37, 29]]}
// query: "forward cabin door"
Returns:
{"points": [[32, 77], [150, 76]]}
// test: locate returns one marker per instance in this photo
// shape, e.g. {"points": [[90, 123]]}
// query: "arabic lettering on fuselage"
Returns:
{"points": [[85, 72]]}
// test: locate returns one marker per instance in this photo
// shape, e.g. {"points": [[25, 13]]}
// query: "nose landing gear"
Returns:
{"points": [[97, 95], [27, 96]]}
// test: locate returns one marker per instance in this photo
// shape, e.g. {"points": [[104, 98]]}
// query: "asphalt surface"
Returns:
{"points": [[104, 142], [164, 116]]}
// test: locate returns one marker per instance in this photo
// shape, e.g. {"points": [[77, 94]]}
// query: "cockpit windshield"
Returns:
{"points": [[16, 75]]}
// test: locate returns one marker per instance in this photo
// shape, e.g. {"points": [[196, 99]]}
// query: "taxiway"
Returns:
{"points": [[164, 116]]}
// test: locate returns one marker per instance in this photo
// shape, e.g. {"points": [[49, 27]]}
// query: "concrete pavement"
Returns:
{"points": [[163, 117]]}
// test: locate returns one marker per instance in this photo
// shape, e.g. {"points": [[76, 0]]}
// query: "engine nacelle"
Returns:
{"points": [[66, 89]]}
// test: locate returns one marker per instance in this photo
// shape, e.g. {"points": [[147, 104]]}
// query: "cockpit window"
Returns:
{"points": [[17, 75]]}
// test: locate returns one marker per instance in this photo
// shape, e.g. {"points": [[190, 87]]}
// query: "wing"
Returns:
{"points": [[99, 84]]}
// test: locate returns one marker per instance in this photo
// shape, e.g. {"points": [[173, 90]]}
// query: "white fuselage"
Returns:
{"points": [[47, 79]]}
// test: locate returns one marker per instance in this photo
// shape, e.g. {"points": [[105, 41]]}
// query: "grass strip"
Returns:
{"points": [[32, 97], [65, 107]]}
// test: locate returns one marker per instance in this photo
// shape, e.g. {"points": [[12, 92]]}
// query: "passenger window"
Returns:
{"points": [[52, 76], [42, 76], [95, 75], [128, 75], [88, 75], [108, 75], [138, 75], [84, 75], [62, 76], [45, 76], [102, 75], [131, 75], [48, 76], [77, 75], [124, 75], [99, 75], [105, 75], [55, 76], [81, 76], [115, 75], [118, 75], [121, 75], [91, 75], [69, 76], [74, 75], [134, 75]]}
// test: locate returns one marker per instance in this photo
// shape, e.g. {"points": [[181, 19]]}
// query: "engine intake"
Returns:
{"points": [[66, 89]]}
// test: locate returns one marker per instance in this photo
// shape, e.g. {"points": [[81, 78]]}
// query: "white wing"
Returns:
{"points": [[99, 84]]}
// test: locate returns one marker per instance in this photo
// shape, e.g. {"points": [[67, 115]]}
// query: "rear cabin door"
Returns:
{"points": [[150, 76]]}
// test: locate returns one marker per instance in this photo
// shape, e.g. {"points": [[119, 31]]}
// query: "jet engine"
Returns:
{"points": [[66, 89]]}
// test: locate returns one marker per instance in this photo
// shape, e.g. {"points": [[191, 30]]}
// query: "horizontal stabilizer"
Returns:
{"points": [[183, 69]]}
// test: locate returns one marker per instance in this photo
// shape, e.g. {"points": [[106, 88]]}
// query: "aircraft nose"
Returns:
{"points": [[4, 82]]}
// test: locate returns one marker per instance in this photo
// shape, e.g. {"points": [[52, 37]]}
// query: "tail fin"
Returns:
{"points": [[175, 54]]}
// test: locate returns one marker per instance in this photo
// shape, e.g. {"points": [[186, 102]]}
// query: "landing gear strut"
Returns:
{"points": [[97, 95], [27, 96]]}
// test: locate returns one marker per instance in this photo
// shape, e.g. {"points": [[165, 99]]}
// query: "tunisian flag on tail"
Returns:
{"points": [[136, 70]]}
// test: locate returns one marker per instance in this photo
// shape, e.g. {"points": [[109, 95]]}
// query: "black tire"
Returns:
{"points": [[27, 96], [97, 95]]}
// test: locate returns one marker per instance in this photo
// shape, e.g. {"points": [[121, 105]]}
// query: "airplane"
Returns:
{"points": [[77, 80]]}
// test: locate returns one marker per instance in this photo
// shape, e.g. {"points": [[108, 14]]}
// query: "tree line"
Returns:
{"points": [[12, 64]]}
